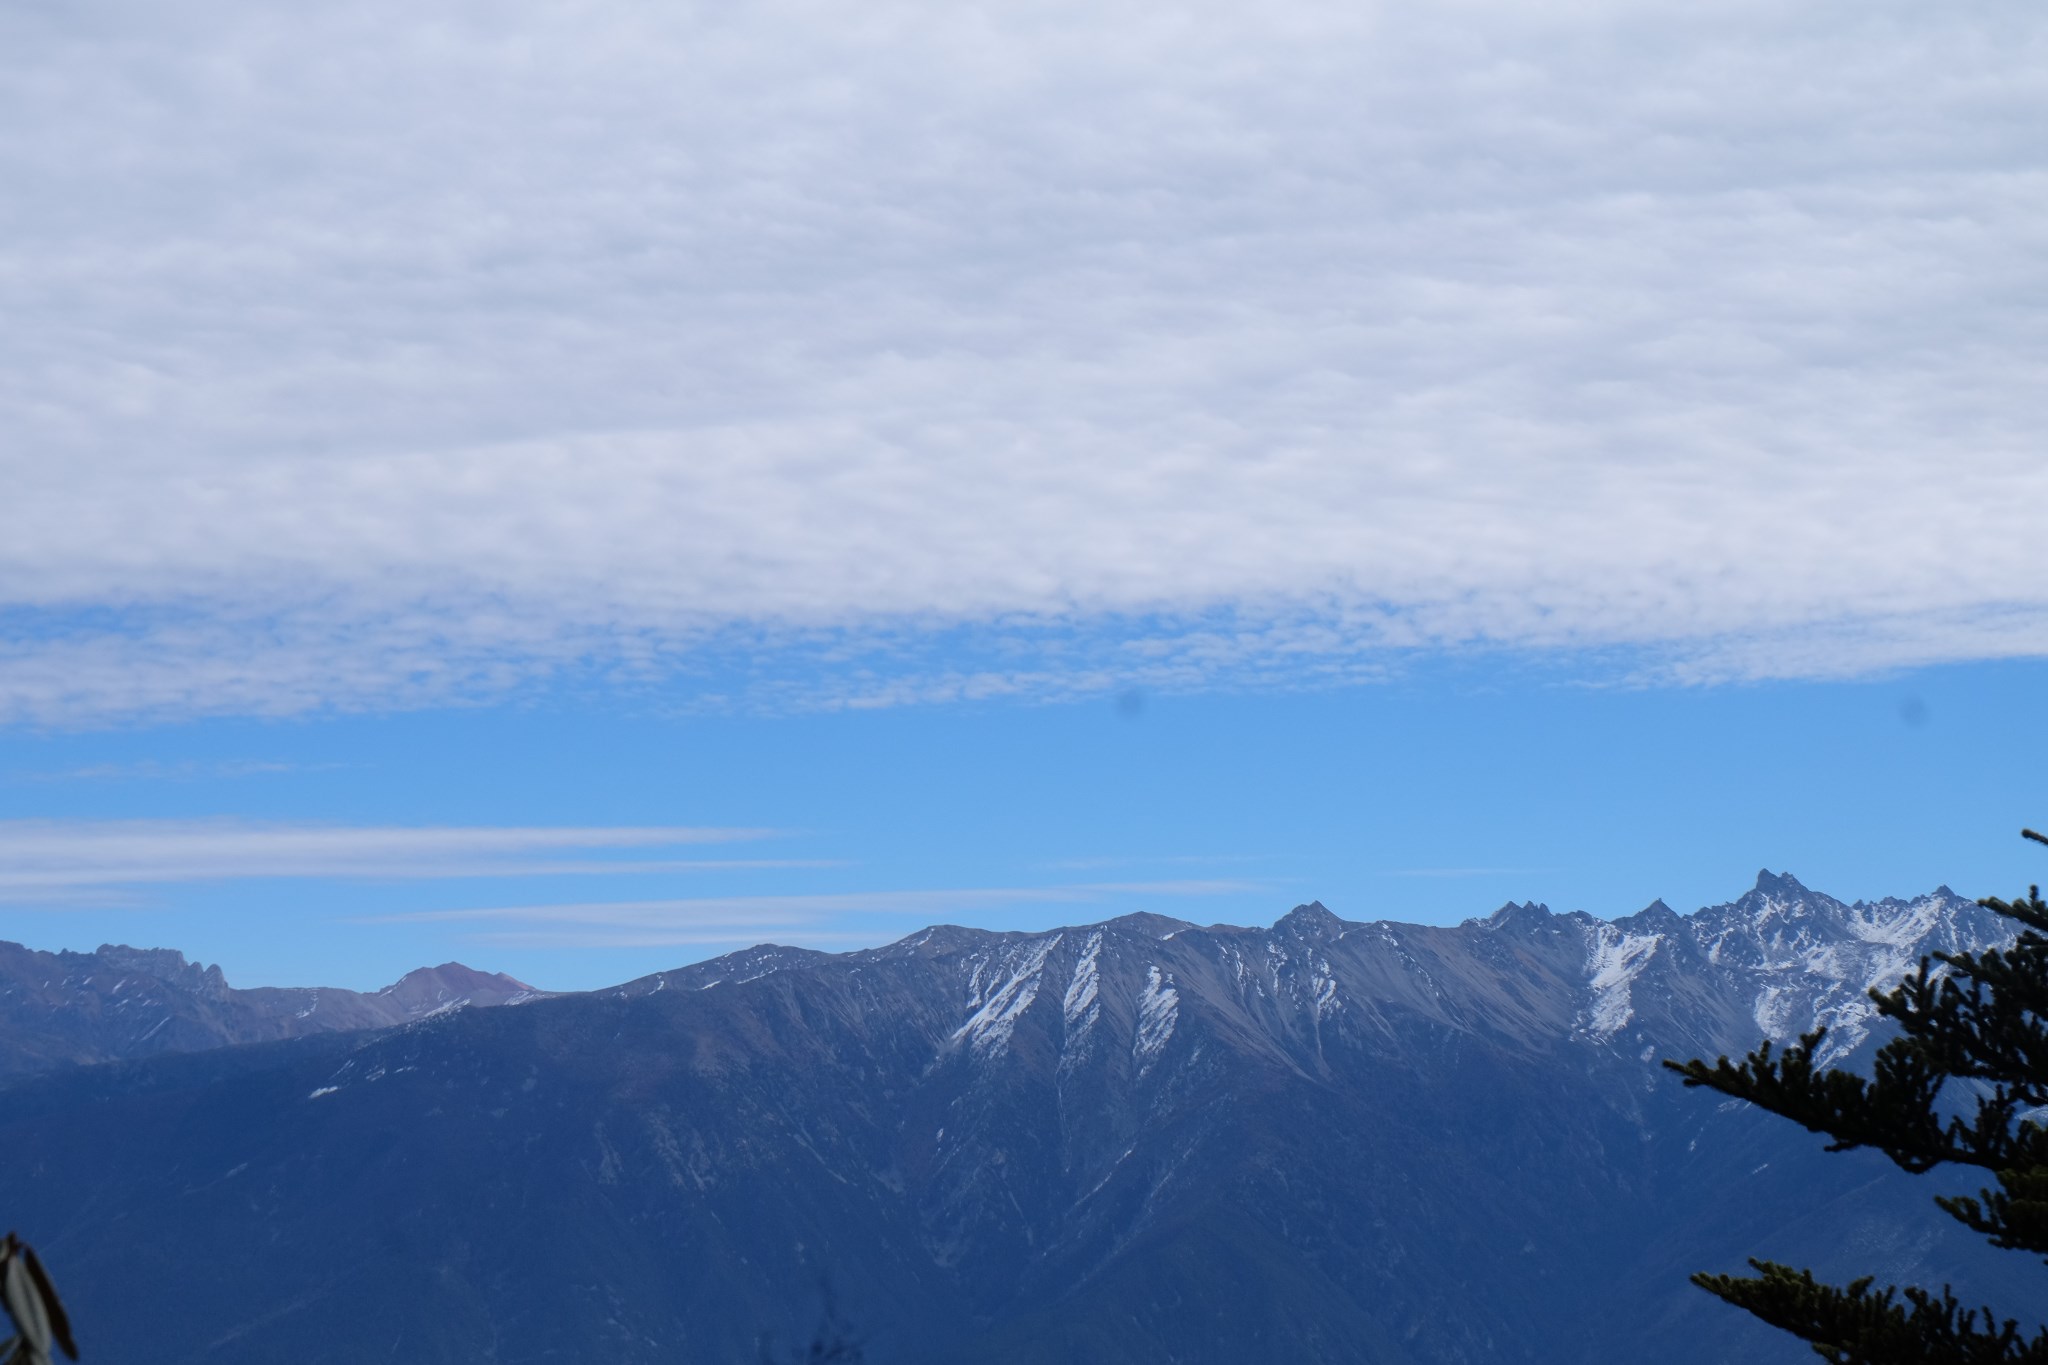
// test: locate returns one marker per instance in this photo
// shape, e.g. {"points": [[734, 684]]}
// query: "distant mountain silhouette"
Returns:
{"points": [[119, 1003], [1135, 1141]]}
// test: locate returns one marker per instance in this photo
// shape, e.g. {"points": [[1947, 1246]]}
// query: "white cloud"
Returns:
{"points": [[386, 357], [92, 862]]}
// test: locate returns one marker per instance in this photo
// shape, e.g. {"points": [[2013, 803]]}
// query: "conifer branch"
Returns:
{"points": [[1855, 1326], [1972, 1017]]}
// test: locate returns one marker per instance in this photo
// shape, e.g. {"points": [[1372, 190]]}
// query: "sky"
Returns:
{"points": [[581, 487]]}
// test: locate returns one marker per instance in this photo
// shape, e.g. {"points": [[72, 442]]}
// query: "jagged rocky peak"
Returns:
{"points": [[167, 963], [1655, 918], [1778, 896], [1801, 958], [1527, 915], [1783, 912], [164, 964], [1313, 920], [1769, 883], [1781, 921]]}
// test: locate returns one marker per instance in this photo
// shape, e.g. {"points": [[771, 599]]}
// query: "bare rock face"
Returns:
{"points": [[1136, 1141], [430, 990], [119, 1003]]}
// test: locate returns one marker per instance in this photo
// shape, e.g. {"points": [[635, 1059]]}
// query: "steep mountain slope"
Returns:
{"points": [[120, 1002], [1136, 1141]]}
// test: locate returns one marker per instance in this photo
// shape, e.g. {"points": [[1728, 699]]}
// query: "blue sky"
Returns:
{"points": [[556, 484], [1430, 797]]}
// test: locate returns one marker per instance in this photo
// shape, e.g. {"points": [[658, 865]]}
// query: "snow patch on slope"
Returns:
{"points": [[1774, 1009], [1158, 1012], [1614, 963], [1082, 1006], [1083, 1003], [1323, 990], [988, 1029]]}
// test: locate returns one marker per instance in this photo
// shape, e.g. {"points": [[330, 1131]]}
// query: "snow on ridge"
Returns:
{"points": [[1811, 961], [988, 1029], [1908, 923], [1842, 984], [1082, 1005], [1821, 974], [1613, 964], [1158, 1012]]}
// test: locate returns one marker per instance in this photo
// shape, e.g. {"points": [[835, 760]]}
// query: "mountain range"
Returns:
{"points": [[119, 1003], [1142, 1140]]}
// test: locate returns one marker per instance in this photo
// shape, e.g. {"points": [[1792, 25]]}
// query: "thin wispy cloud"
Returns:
{"points": [[841, 917], [860, 355], [1140, 860], [94, 861], [151, 770]]}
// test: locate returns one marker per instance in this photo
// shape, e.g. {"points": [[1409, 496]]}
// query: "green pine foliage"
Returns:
{"points": [[1974, 1017]]}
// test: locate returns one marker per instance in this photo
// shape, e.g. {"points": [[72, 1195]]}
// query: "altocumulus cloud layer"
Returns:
{"points": [[384, 354]]}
